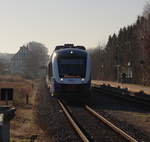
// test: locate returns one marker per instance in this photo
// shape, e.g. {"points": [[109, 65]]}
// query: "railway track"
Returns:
{"points": [[80, 130], [123, 94]]}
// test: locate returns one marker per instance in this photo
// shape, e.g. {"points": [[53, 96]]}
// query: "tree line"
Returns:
{"points": [[126, 53], [36, 61]]}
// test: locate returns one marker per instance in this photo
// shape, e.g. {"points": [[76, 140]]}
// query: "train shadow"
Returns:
{"points": [[75, 101], [106, 102]]}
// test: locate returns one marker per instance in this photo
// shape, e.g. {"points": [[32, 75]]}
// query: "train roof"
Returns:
{"points": [[65, 46]]}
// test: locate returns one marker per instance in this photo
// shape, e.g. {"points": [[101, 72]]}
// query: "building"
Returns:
{"points": [[30, 61], [18, 61]]}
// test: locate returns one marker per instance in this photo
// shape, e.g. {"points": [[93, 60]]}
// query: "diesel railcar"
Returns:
{"points": [[69, 71]]}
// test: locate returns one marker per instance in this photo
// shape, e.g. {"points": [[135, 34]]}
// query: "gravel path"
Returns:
{"points": [[51, 119], [113, 109]]}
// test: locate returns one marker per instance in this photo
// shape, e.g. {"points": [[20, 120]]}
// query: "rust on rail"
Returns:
{"points": [[112, 126], [75, 126]]}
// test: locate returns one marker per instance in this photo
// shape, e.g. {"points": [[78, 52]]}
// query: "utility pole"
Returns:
{"points": [[142, 60], [117, 63]]}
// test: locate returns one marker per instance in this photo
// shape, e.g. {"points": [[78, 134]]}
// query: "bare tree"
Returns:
{"points": [[36, 60], [146, 11]]}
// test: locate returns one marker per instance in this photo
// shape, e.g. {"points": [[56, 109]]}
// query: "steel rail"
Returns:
{"points": [[73, 123], [112, 126]]}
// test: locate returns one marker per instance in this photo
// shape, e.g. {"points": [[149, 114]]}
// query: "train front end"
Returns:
{"points": [[72, 72]]}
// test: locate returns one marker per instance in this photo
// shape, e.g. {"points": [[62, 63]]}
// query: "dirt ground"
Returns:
{"points": [[23, 126]]}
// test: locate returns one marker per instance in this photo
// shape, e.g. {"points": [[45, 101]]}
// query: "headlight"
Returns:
{"points": [[1, 119], [82, 79]]}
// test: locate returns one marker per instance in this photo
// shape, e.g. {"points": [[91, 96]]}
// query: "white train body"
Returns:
{"points": [[69, 71]]}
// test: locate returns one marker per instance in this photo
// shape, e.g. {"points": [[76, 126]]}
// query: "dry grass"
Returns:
{"points": [[131, 87], [18, 84], [23, 125], [13, 78]]}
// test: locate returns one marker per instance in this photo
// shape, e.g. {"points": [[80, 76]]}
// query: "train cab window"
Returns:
{"points": [[72, 67]]}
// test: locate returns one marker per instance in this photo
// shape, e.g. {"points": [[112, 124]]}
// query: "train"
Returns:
{"points": [[69, 71]]}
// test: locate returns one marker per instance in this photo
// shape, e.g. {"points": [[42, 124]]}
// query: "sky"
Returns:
{"points": [[56, 22]]}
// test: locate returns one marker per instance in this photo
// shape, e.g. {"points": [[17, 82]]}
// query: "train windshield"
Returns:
{"points": [[74, 68]]}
